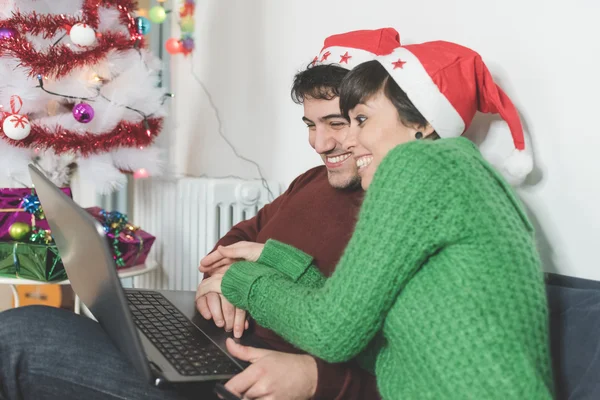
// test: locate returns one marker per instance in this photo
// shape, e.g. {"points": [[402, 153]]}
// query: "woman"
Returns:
{"points": [[439, 290]]}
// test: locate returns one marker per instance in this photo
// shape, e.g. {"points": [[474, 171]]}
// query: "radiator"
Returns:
{"points": [[188, 216]]}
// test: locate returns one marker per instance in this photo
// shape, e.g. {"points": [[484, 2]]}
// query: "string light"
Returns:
{"points": [[97, 78], [148, 131], [141, 173]]}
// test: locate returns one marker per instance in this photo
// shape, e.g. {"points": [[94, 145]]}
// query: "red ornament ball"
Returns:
{"points": [[173, 46]]}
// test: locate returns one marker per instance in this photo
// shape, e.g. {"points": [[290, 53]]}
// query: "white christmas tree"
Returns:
{"points": [[78, 90]]}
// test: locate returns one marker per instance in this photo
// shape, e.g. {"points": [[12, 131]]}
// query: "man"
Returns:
{"points": [[50, 353], [316, 214]]}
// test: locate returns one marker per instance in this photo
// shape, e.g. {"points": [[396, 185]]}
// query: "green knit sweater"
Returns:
{"points": [[439, 291]]}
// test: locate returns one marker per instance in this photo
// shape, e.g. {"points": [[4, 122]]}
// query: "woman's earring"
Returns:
{"points": [[419, 135]]}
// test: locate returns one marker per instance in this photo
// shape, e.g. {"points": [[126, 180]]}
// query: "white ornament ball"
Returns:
{"points": [[16, 127], [82, 35]]}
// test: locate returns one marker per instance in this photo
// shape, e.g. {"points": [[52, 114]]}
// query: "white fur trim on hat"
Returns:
{"points": [[517, 166], [408, 72]]}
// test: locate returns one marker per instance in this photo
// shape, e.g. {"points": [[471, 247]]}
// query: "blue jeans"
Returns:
{"points": [[48, 353]]}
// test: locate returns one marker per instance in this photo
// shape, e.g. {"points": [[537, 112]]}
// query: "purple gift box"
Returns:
{"points": [[132, 244], [21, 205]]}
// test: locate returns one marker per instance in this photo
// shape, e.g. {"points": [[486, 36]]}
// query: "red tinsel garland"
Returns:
{"points": [[90, 12], [36, 24], [60, 60], [125, 134]]}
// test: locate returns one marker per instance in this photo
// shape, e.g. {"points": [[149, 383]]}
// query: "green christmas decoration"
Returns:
{"points": [[19, 231], [39, 262], [157, 14]]}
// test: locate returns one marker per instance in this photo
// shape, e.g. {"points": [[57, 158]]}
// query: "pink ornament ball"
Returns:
{"points": [[83, 113], [7, 33]]}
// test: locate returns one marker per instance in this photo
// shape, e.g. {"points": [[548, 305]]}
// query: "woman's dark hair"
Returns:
{"points": [[319, 82], [369, 78]]}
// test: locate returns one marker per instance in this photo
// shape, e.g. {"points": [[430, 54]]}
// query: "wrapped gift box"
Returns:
{"points": [[21, 205], [130, 245], [38, 262]]}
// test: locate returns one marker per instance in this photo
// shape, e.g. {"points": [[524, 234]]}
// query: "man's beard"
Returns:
{"points": [[350, 185]]}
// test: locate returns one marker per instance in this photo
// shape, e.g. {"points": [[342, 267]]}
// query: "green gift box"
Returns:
{"points": [[39, 262]]}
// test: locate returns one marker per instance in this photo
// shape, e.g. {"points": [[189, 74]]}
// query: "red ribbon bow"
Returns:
{"points": [[15, 104]]}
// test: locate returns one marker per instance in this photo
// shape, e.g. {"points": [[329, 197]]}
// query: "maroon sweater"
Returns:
{"points": [[319, 220]]}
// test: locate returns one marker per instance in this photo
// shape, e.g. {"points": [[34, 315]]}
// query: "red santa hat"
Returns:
{"points": [[353, 48], [448, 84]]}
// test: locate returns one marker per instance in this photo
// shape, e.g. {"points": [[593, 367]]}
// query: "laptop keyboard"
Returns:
{"points": [[180, 342]]}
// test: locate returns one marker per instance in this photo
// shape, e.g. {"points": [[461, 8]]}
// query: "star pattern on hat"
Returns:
{"points": [[325, 56], [344, 58], [399, 64]]}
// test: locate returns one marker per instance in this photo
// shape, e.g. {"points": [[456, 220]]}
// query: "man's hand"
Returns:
{"points": [[215, 306], [273, 375], [209, 301], [210, 284]]}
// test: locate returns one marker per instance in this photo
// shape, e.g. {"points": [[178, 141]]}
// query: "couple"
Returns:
{"points": [[438, 293]]}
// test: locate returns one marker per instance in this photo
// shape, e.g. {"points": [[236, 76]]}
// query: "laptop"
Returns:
{"points": [[164, 345]]}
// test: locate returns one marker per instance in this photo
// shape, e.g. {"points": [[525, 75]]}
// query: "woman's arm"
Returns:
{"points": [[293, 263], [399, 227]]}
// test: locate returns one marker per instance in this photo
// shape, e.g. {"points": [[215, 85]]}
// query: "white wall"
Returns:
{"points": [[545, 54]]}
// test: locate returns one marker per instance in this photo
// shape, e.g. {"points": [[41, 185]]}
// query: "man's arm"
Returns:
{"points": [[216, 307], [345, 381], [248, 230]]}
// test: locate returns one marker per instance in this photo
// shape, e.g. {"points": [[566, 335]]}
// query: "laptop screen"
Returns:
{"points": [[90, 267]]}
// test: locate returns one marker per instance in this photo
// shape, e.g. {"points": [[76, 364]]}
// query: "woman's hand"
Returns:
{"points": [[249, 251], [220, 260], [215, 263]]}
